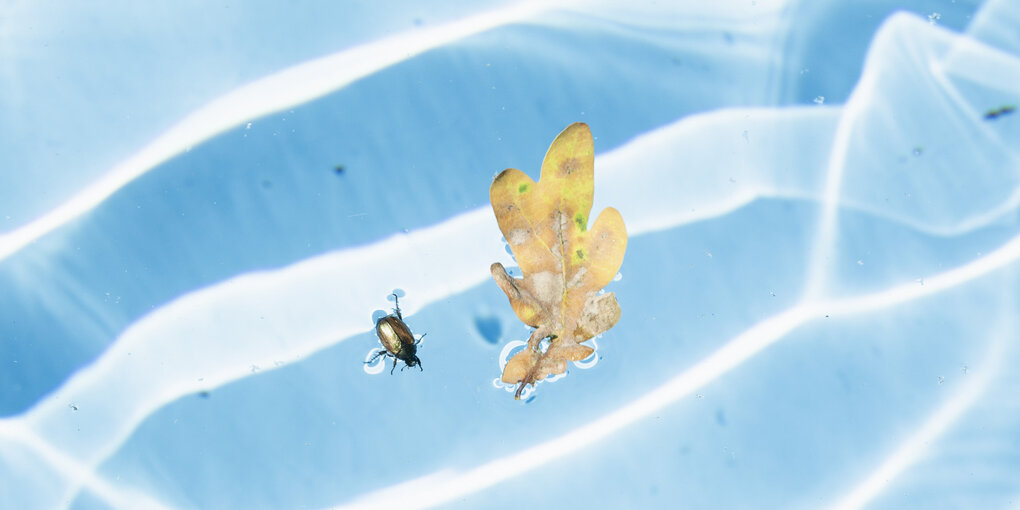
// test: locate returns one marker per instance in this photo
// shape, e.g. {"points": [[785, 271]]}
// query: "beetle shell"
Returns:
{"points": [[395, 336]]}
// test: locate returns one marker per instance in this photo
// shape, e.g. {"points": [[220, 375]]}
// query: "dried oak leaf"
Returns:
{"points": [[564, 262]]}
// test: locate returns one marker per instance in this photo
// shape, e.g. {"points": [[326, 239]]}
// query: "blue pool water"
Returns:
{"points": [[203, 204]]}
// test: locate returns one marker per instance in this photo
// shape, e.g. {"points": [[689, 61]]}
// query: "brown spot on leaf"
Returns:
{"points": [[569, 166]]}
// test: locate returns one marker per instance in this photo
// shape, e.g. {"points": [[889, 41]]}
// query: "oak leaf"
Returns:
{"points": [[564, 263]]}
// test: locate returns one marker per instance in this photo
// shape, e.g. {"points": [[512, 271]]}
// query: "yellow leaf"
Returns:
{"points": [[564, 262]]}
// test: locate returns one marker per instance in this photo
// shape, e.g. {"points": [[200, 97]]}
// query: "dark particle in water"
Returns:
{"points": [[999, 112], [339, 169]]}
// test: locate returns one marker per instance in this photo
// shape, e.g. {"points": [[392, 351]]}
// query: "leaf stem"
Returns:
{"points": [[520, 388]]}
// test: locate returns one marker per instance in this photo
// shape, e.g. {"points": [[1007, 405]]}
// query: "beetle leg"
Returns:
{"points": [[419, 340], [380, 353], [394, 365], [396, 301]]}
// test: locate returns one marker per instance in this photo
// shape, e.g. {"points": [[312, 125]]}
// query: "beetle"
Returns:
{"points": [[397, 339]]}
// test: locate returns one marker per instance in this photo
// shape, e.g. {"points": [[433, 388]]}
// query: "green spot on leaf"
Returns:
{"points": [[579, 220], [522, 188], [580, 254]]}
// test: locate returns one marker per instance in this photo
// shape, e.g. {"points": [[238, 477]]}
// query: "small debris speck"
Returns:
{"points": [[933, 18], [819, 99], [998, 112]]}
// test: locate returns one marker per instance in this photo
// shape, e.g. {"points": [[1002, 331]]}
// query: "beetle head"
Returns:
{"points": [[413, 361]]}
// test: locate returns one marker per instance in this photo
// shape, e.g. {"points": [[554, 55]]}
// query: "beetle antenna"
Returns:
{"points": [[419, 339]]}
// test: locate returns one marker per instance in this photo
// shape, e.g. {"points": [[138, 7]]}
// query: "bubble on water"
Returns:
{"points": [[590, 361], [511, 348], [618, 277], [508, 349], [934, 18], [553, 378], [819, 99], [526, 393], [377, 365], [248, 126], [378, 314], [515, 346]]}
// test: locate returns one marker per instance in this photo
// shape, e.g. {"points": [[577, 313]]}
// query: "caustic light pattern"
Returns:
{"points": [[820, 295]]}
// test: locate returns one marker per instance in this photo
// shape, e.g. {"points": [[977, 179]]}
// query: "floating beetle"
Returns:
{"points": [[397, 339]]}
